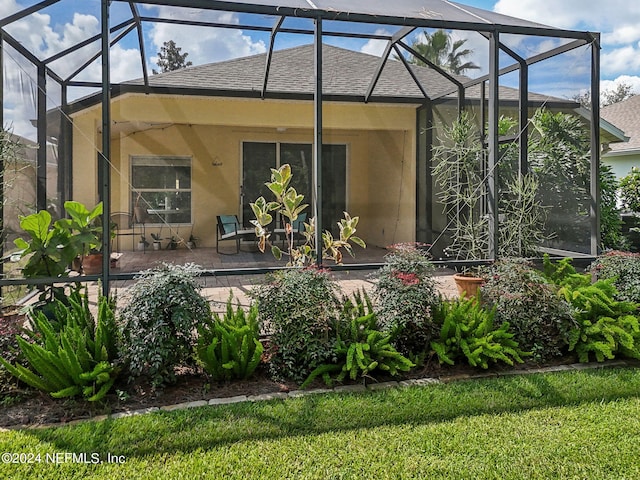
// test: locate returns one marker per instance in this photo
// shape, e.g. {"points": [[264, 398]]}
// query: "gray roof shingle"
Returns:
{"points": [[345, 73], [626, 116]]}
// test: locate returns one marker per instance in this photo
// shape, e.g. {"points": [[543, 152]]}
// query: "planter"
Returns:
{"points": [[157, 245], [141, 246], [468, 286], [92, 264]]}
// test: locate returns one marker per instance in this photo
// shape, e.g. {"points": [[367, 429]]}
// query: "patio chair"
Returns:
{"points": [[297, 226], [229, 228]]}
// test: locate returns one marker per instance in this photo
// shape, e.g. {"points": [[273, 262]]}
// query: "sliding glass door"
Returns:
{"points": [[259, 157]]}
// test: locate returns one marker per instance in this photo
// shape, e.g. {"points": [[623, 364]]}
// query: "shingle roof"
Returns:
{"points": [[626, 116], [345, 73]]}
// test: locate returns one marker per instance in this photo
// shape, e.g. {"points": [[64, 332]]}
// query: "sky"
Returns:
{"points": [[69, 21]]}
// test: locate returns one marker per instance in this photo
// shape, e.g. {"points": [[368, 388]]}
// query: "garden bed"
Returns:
{"points": [[32, 408]]}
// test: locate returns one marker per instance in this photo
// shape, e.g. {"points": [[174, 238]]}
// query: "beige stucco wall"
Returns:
{"points": [[380, 143]]}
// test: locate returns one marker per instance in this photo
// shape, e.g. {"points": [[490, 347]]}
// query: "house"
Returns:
{"points": [[622, 156], [20, 179], [193, 144], [209, 150]]}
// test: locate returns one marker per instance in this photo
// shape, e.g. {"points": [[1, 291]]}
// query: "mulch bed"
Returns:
{"points": [[31, 408]]}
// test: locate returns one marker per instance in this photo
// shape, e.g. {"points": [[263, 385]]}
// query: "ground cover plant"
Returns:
{"points": [[229, 347], [360, 348], [572, 425], [605, 327], [469, 331]]}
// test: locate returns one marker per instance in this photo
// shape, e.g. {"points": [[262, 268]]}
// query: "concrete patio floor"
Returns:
{"points": [[216, 289]]}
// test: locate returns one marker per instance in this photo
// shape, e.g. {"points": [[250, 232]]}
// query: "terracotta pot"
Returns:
{"points": [[92, 264], [468, 286]]}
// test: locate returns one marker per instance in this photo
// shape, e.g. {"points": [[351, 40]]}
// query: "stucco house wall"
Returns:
{"points": [[380, 142]]}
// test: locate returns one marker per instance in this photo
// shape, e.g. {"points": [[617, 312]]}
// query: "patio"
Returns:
{"points": [[217, 286], [191, 144]]}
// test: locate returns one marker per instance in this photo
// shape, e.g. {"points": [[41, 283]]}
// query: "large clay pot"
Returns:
{"points": [[92, 264], [468, 285]]}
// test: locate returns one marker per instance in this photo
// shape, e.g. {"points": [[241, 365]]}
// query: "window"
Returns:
{"points": [[164, 187]]}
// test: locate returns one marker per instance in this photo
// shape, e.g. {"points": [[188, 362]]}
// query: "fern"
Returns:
{"points": [[229, 347], [71, 354], [468, 331], [360, 348], [605, 327]]}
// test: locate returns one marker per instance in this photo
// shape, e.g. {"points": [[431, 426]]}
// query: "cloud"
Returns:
{"points": [[633, 80], [376, 47], [573, 14], [621, 60], [203, 44]]}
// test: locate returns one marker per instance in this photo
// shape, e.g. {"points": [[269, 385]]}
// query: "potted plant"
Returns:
{"points": [[458, 174], [143, 244], [85, 230], [49, 250], [157, 241], [173, 243], [191, 243]]}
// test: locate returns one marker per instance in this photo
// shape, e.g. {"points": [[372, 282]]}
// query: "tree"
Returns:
{"points": [[439, 48], [620, 93], [608, 97], [170, 58]]}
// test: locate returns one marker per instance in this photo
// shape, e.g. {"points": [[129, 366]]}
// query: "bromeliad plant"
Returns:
{"points": [[289, 204], [229, 347], [73, 354], [468, 330]]}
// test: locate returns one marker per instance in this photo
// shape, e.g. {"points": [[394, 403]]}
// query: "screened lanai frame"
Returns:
{"points": [[406, 15]]}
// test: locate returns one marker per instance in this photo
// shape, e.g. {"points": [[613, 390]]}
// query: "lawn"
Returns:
{"points": [[578, 424]]}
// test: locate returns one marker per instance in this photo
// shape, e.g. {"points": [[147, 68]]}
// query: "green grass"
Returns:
{"points": [[580, 424]]}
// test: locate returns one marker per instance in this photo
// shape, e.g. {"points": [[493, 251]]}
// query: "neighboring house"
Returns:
{"points": [[202, 144], [20, 180], [626, 116]]}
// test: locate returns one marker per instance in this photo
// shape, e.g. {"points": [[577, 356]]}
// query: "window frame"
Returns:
{"points": [[137, 161]]}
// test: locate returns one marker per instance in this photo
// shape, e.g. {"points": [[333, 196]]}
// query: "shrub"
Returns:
{"points": [[539, 318], [158, 324], [469, 330], [360, 348], [299, 309], [610, 219], [229, 347], [630, 190], [405, 296], [75, 355], [624, 269]]}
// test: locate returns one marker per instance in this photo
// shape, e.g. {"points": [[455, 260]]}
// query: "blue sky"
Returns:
{"points": [[70, 21]]}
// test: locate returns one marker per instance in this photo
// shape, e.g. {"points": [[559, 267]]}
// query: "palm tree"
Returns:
{"points": [[439, 49]]}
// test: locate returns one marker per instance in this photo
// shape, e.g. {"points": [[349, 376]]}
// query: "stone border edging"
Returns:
{"points": [[417, 382]]}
